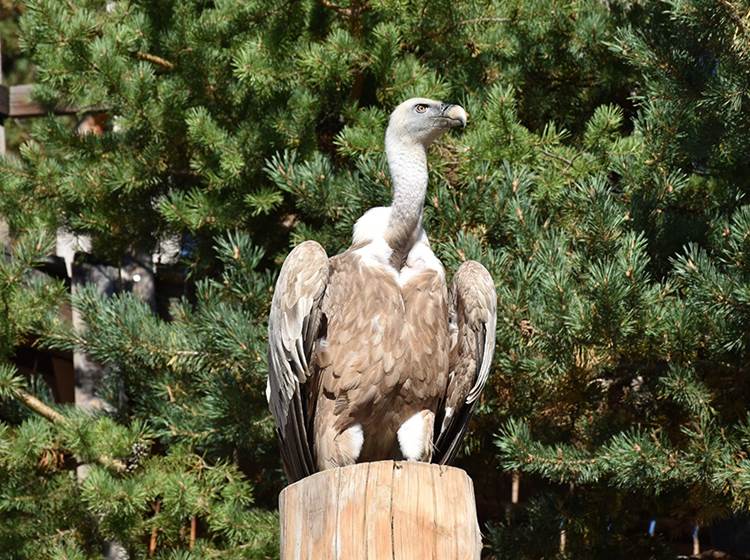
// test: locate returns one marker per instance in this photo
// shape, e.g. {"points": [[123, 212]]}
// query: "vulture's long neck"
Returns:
{"points": [[407, 162]]}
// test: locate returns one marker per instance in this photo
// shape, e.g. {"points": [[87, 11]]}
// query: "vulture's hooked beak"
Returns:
{"points": [[455, 115]]}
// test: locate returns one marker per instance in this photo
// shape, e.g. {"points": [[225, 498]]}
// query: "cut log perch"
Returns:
{"points": [[381, 511]]}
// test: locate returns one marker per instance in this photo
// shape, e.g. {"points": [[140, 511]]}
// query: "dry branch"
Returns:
{"points": [[46, 411], [152, 58]]}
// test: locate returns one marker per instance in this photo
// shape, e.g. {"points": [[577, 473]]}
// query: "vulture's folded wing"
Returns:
{"points": [[293, 328], [473, 316]]}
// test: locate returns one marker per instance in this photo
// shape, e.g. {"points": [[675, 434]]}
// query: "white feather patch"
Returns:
{"points": [[356, 439], [420, 258], [376, 253], [371, 228], [411, 437], [371, 225]]}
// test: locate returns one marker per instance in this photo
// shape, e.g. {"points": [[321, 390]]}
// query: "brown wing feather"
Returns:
{"points": [[293, 327], [474, 317]]}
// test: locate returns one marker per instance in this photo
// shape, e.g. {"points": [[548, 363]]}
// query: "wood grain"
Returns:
{"points": [[379, 499], [385, 510]]}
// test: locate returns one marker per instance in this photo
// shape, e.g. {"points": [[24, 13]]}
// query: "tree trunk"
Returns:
{"points": [[4, 233], [381, 511]]}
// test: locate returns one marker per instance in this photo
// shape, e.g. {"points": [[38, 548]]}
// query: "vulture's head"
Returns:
{"points": [[421, 121]]}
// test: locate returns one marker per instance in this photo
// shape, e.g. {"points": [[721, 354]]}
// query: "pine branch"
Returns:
{"points": [[485, 19], [110, 463], [159, 61], [34, 404], [46, 411], [338, 9], [154, 532], [735, 12], [568, 162]]}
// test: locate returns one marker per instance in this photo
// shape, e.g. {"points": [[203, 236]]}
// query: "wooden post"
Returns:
{"points": [[696, 540], [4, 102], [386, 510], [514, 487], [4, 105]]}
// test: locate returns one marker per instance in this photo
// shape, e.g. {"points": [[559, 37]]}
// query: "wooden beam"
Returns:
{"points": [[18, 103], [23, 105]]}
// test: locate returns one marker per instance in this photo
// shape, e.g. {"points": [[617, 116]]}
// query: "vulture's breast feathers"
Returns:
{"points": [[384, 357], [369, 243]]}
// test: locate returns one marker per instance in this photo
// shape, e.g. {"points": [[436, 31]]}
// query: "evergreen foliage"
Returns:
{"points": [[16, 67], [602, 181]]}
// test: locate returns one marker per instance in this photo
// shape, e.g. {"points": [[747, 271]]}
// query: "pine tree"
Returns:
{"points": [[601, 180], [659, 424]]}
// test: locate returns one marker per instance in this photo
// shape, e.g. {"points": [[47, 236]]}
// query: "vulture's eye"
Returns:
{"points": [[421, 108]]}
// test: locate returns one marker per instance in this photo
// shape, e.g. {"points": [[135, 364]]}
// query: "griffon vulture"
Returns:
{"points": [[370, 357]]}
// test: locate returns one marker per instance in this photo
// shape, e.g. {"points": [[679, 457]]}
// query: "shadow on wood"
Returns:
{"points": [[381, 511]]}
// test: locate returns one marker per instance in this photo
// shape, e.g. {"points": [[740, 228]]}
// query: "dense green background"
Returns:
{"points": [[602, 180]]}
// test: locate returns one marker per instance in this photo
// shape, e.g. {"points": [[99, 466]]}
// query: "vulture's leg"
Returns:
{"points": [[415, 436]]}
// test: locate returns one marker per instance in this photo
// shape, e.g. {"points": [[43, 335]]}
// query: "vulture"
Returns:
{"points": [[370, 356]]}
